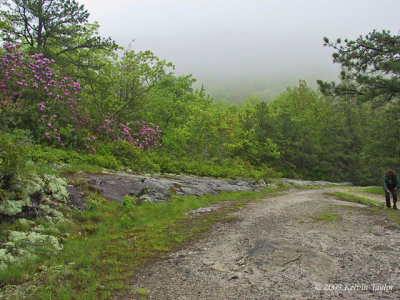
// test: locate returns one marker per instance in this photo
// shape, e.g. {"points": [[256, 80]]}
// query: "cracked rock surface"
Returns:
{"points": [[158, 189], [280, 249]]}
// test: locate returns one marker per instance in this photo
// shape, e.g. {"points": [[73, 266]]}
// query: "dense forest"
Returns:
{"points": [[72, 99], [73, 102]]}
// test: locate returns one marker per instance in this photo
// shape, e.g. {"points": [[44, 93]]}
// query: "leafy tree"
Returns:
{"points": [[253, 141], [370, 68], [381, 143], [56, 28], [133, 77], [182, 112], [298, 116], [346, 132]]}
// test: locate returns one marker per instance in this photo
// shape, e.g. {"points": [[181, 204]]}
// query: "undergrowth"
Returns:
{"points": [[105, 244], [122, 156]]}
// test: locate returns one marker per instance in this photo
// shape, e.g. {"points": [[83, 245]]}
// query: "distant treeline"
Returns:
{"points": [[69, 96]]}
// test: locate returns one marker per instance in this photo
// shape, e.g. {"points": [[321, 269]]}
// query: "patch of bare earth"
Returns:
{"points": [[280, 249]]}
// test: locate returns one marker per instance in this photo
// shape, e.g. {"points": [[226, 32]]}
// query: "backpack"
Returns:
{"points": [[390, 181]]}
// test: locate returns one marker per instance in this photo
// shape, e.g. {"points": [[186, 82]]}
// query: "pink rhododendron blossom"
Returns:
{"points": [[26, 79], [29, 82], [141, 134]]}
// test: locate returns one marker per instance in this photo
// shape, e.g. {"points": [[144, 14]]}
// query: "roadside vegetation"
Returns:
{"points": [[374, 207], [74, 102], [105, 245], [376, 190], [358, 199]]}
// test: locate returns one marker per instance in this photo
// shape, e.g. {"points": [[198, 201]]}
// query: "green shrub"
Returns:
{"points": [[132, 157], [107, 161], [126, 152], [128, 202], [12, 160], [45, 154]]}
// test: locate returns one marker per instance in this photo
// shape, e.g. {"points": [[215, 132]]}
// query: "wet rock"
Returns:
{"points": [[146, 198], [317, 183], [200, 210], [158, 189], [76, 196]]}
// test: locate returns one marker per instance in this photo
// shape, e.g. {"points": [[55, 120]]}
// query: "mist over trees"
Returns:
{"points": [[75, 97], [75, 106]]}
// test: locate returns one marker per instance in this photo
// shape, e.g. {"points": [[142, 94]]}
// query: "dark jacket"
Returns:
{"points": [[390, 182]]}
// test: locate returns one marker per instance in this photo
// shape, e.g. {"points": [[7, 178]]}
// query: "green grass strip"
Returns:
{"points": [[374, 207], [357, 199], [376, 190]]}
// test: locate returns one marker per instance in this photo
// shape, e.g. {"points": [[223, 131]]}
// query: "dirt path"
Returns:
{"points": [[280, 249]]}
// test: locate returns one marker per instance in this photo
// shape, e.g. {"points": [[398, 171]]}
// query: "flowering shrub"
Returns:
{"points": [[141, 134], [33, 96], [46, 102]]}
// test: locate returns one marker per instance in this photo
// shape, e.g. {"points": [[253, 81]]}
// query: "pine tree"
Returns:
{"points": [[370, 68]]}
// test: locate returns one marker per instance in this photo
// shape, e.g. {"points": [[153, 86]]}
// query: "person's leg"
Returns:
{"points": [[394, 194], [387, 197]]}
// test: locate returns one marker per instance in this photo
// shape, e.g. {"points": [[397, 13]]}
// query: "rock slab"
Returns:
{"points": [[157, 189]]}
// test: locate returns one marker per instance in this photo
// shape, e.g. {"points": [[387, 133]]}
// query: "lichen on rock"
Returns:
{"points": [[12, 207], [29, 197], [21, 243], [57, 188], [6, 258], [41, 194]]}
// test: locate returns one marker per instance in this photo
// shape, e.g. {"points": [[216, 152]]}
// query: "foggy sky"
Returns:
{"points": [[259, 45]]}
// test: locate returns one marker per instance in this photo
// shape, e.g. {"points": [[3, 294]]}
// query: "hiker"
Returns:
{"points": [[390, 185]]}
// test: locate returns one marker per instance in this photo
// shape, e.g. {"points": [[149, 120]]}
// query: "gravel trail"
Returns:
{"points": [[301, 245]]}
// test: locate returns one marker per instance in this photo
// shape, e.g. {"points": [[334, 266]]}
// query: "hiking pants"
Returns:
{"points": [[387, 196]]}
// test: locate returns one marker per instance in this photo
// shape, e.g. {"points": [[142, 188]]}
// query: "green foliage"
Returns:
{"points": [[53, 27], [370, 68], [376, 190], [105, 245], [107, 161], [129, 155], [297, 120], [45, 154], [133, 76], [12, 160], [358, 199], [129, 202]]}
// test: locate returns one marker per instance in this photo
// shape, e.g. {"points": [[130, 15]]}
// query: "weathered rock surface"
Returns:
{"points": [[315, 183], [157, 189], [279, 249]]}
